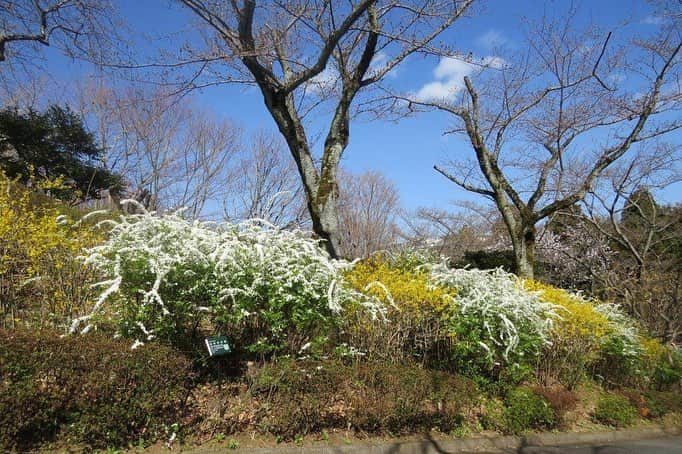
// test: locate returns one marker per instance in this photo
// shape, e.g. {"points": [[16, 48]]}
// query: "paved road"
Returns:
{"points": [[668, 445], [659, 443]]}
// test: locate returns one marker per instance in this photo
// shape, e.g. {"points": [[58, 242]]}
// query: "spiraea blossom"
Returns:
{"points": [[163, 274], [505, 311]]}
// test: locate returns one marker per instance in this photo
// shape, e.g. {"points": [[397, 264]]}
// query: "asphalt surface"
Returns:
{"points": [[665, 445], [649, 441]]}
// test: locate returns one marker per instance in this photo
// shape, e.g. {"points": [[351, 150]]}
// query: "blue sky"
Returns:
{"points": [[404, 151]]}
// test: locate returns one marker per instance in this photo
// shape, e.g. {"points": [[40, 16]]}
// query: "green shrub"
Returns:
{"points": [[492, 414], [525, 410], [618, 364], [668, 371], [615, 410], [86, 389], [660, 403], [488, 260]]}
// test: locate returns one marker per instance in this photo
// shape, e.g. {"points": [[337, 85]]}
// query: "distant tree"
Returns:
{"points": [[54, 144], [172, 154], [369, 206], [487, 260], [572, 254], [263, 184], [471, 229], [639, 209]]}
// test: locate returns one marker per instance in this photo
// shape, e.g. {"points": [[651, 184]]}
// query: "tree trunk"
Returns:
{"points": [[320, 187], [521, 231], [325, 223], [524, 252]]}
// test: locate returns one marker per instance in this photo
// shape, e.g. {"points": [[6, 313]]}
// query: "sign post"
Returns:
{"points": [[217, 345]]}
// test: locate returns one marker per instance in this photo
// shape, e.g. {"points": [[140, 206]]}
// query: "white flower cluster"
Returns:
{"points": [[624, 328], [500, 303], [157, 255]]}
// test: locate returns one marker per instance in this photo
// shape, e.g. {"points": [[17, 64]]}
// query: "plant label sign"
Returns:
{"points": [[217, 345]]}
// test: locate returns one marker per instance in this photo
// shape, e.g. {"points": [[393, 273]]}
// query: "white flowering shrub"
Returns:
{"points": [[267, 289], [499, 326], [622, 326], [622, 350]]}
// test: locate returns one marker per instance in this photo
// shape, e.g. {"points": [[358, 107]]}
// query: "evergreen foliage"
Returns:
{"points": [[53, 144]]}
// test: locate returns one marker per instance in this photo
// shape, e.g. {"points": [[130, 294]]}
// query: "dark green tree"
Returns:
{"points": [[640, 210], [52, 144]]}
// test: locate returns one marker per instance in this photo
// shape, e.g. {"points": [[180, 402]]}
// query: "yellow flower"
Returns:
{"points": [[41, 273], [404, 290], [578, 316]]}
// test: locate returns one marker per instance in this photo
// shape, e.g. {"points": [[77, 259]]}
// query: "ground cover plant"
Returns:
{"points": [[526, 410], [615, 410], [87, 389], [288, 398]]}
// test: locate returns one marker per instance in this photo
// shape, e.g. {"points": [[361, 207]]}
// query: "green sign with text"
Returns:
{"points": [[217, 345]]}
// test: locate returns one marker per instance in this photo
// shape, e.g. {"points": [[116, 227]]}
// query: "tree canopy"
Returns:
{"points": [[52, 144]]}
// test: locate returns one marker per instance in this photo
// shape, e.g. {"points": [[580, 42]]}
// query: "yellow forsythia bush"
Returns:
{"points": [[583, 338], [577, 336], [42, 281], [578, 317], [653, 350], [415, 317], [402, 289], [656, 359]]}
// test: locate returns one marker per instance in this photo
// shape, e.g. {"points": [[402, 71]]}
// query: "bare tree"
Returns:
{"points": [[645, 238], [204, 156], [467, 227], [78, 28], [622, 207], [545, 124], [263, 184], [171, 154], [303, 55], [73, 25], [369, 206]]}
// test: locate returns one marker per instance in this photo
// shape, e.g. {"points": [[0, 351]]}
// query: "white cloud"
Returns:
{"points": [[449, 75], [434, 91], [616, 78], [449, 68], [325, 81], [494, 62], [652, 20], [491, 39], [379, 62]]}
